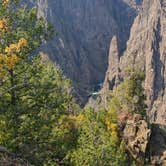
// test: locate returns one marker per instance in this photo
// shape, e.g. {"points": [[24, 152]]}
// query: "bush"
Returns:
{"points": [[129, 95]]}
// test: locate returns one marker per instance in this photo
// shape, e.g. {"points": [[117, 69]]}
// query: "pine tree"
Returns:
{"points": [[33, 93], [97, 143]]}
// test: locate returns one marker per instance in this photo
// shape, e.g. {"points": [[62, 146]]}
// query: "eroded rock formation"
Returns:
{"points": [[137, 135], [146, 49], [145, 143]]}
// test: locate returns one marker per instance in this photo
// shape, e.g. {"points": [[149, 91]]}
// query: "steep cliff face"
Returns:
{"points": [[85, 28], [146, 49]]}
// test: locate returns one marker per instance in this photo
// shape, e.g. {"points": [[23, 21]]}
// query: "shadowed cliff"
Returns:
{"points": [[84, 30]]}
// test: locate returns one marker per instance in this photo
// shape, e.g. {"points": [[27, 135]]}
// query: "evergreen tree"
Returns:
{"points": [[98, 143], [129, 96], [33, 93]]}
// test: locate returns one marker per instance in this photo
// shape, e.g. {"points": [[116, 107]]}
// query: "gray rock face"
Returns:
{"points": [[113, 62], [85, 28], [146, 49], [112, 71]]}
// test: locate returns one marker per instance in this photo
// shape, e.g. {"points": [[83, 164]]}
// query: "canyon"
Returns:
{"points": [[97, 40], [95, 44], [84, 31], [83, 51]]}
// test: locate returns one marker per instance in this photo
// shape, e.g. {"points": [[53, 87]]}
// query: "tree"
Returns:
{"points": [[32, 127], [34, 95], [20, 34], [98, 142], [129, 96]]}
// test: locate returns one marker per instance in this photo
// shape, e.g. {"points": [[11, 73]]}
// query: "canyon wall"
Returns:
{"points": [[84, 30], [146, 50]]}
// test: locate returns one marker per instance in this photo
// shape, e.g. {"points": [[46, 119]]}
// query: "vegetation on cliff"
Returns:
{"points": [[38, 119], [129, 95]]}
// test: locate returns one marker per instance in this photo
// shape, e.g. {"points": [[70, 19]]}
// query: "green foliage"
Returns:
{"points": [[18, 22], [33, 127], [34, 95], [96, 145], [129, 95]]}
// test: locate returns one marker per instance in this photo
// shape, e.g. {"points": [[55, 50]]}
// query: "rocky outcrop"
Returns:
{"points": [[113, 64], [145, 143], [146, 50], [85, 28], [112, 71], [137, 136]]}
